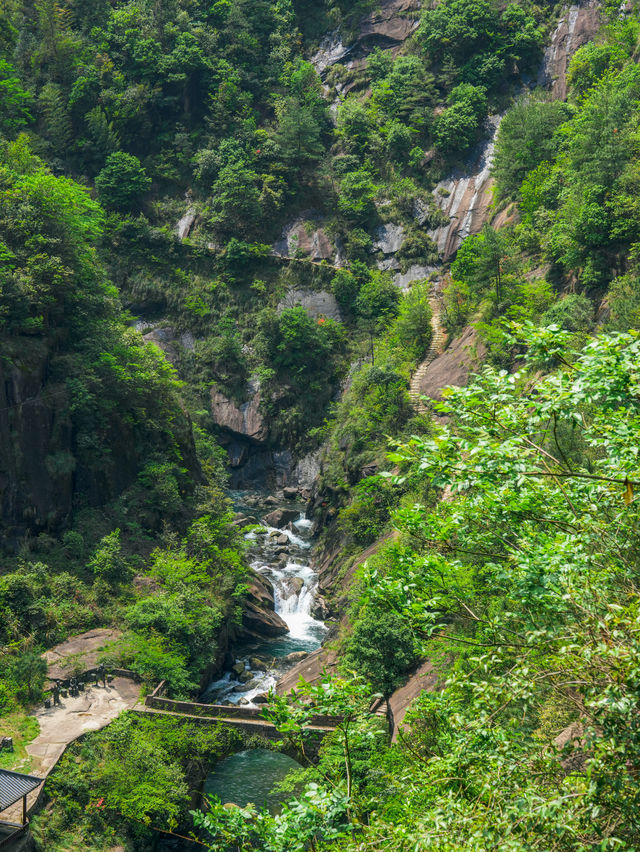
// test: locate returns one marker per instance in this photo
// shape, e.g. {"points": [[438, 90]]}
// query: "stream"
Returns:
{"points": [[282, 557]]}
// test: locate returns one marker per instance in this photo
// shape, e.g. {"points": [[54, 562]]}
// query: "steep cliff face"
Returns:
{"points": [[465, 196], [36, 459], [576, 27], [43, 469]]}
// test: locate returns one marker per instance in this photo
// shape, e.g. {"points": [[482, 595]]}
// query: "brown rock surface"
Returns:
{"points": [[243, 420], [280, 518], [389, 21], [577, 26], [80, 651], [423, 680], [454, 366], [258, 613]]}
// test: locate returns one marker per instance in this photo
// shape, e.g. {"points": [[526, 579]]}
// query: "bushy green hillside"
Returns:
{"points": [[509, 559]]}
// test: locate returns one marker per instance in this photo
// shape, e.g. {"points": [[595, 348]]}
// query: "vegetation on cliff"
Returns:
{"points": [[510, 555]]}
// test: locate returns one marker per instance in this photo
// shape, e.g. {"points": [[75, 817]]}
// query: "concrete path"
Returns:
{"points": [[92, 710]]}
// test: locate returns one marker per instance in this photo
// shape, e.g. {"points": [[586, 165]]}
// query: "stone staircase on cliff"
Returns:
{"points": [[438, 342]]}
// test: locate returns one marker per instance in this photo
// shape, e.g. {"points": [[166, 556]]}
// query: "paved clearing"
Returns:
{"points": [[92, 710]]}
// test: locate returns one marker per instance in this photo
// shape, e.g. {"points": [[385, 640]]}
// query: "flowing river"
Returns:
{"points": [[282, 557]]}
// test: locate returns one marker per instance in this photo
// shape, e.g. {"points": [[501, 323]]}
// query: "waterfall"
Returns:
{"points": [[295, 589]]}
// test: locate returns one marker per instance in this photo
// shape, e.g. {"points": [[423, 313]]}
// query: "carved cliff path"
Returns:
{"points": [[438, 342]]}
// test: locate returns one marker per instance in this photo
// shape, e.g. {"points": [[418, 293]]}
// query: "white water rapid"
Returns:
{"points": [[259, 664]]}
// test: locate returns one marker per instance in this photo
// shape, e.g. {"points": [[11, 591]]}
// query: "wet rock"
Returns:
{"points": [[296, 657], [184, 226], [271, 501], [466, 196], [281, 517], [245, 677], [238, 668], [320, 610], [578, 25], [290, 492], [293, 586], [257, 664], [244, 702], [259, 616], [261, 698]]}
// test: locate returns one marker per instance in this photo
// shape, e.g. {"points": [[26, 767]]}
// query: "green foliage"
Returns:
{"points": [[123, 182], [459, 124], [381, 648], [14, 101], [479, 42], [412, 329], [304, 360], [526, 138], [119, 782]]}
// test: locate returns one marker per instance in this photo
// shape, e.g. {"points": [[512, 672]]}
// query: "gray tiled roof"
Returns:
{"points": [[13, 786]]}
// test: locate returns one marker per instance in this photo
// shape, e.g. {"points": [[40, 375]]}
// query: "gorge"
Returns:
{"points": [[319, 408]]}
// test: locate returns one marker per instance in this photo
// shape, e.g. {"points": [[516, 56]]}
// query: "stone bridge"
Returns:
{"points": [[247, 719]]}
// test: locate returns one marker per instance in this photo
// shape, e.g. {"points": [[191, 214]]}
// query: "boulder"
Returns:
{"points": [[296, 657], [261, 698], [293, 586], [306, 238], [258, 615], [238, 669], [281, 517], [245, 677], [319, 609], [290, 492], [257, 664]]}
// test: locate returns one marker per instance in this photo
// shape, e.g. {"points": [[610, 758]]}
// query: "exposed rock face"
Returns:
{"points": [[316, 303], [423, 680], [404, 280], [305, 238], [578, 25], [170, 341], [387, 26], [184, 226], [244, 420], [258, 614], [36, 448], [389, 238], [466, 195], [454, 366]]}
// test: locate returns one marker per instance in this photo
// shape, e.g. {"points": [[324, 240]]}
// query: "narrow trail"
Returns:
{"points": [[437, 348]]}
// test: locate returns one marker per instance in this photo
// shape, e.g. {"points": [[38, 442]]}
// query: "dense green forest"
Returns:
{"points": [[502, 520]]}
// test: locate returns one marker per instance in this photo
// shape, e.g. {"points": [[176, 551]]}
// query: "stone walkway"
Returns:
{"points": [[436, 348], [92, 710]]}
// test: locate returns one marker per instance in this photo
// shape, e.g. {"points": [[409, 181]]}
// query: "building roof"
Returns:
{"points": [[14, 785]]}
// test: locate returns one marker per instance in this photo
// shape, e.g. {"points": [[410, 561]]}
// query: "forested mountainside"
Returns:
{"points": [[248, 244]]}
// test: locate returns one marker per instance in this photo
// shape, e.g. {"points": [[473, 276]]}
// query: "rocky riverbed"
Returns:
{"points": [[283, 619]]}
